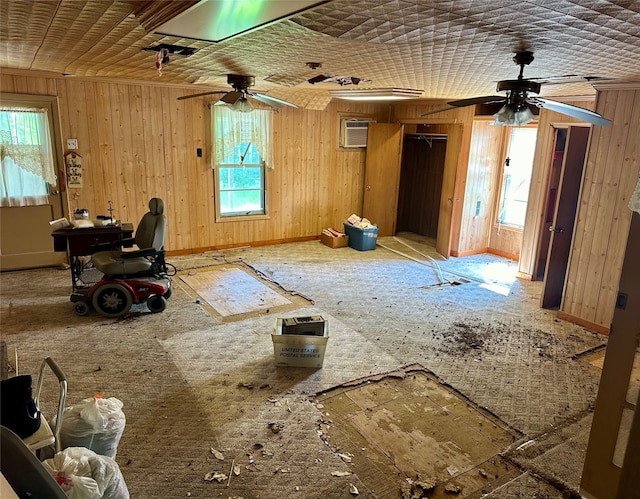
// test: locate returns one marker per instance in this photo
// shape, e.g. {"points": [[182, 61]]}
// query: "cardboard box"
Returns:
{"points": [[334, 242], [295, 350]]}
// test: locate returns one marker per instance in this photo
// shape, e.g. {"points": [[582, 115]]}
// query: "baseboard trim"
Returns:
{"points": [[479, 251], [598, 328], [470, 252], [503, 254], [252, 244]]}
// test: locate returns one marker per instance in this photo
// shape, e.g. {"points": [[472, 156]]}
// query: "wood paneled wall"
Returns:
{"points": [[482, 187], [603, 218], [137, 141], [505, 241]]}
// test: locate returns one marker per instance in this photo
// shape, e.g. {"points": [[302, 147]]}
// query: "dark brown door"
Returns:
{"points": [[555, 164], [564, 219]]}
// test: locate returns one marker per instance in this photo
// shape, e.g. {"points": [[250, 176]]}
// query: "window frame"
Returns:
{"points": [[220, 217], [506, 141], [218, 192], [58, 201]]}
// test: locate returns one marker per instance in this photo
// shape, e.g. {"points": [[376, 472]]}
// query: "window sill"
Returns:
{"points": [[514, 228], [242, 218]]}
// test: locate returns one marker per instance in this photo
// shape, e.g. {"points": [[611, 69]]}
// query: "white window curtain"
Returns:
{"points": [[231, 128], [26, 159]]}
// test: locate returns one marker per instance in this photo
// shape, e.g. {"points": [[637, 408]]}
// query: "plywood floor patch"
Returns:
{"points": [[404, 431], [231, 291]]}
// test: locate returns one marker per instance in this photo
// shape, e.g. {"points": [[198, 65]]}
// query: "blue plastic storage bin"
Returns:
{"points": [[361, 239]]}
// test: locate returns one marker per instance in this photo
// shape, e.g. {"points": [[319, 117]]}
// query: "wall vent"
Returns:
{"points": [[353, 132]]}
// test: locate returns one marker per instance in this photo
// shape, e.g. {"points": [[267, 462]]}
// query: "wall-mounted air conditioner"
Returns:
{"points": [[353, 132]]}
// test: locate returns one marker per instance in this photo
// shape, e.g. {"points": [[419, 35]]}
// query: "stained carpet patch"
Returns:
{"points": [[231, 291]]}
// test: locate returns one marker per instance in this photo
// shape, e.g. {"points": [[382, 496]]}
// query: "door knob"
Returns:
{"points": [[367, 187], [557, 230]]}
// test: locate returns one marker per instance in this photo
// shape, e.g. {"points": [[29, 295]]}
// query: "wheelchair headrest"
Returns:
{"points": [[156, 206]]}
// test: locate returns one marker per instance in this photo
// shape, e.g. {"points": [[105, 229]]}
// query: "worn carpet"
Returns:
{"points": [[192, 382]]}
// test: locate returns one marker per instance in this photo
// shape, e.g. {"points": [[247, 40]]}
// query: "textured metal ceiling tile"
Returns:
{"points": [[448, 48]]}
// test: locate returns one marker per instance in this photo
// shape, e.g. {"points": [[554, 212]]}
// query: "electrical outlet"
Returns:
{"points": [[72, 144]]}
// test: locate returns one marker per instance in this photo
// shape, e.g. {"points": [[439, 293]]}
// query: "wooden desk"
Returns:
{"points": [[78, 241]]}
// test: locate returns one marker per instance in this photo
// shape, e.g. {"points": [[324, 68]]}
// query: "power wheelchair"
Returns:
{"points": [[130, 277]]}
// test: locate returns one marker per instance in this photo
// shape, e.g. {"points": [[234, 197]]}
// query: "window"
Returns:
{"points": [[516, 178], [26, 161], [241, 155]]}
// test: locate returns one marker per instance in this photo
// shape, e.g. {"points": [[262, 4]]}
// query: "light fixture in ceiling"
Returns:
{"points": [[217, 20], [372, 94], [242, 105], [515, 112]]}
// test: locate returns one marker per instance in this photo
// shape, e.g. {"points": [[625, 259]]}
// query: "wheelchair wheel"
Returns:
{"points": [[167, 295], [112, 300], [81, 308], [156, 303]]}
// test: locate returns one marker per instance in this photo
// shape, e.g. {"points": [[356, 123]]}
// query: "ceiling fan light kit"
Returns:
{"points": [[242, 105], [237, 98], [507, 116], [521, 95]]}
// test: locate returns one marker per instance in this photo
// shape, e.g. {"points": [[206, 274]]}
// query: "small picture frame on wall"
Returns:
{"points": [[73, 161]]}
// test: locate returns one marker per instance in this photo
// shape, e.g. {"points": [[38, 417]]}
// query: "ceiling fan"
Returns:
{"points": [[520, 95], [237, 98]]}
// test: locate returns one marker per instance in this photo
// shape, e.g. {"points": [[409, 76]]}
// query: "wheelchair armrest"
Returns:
{"points": [[138, 253], [113, 245]]}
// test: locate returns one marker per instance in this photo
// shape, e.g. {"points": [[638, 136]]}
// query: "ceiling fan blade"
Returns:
{"points": [[202, 94], [487, 99], [573, 111], [231, 97], [455, 104], [272, 101], [439, 110], [580, 79]]}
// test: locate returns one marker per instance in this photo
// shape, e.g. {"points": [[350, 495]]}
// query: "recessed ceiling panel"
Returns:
{"points": [[217, 20]]}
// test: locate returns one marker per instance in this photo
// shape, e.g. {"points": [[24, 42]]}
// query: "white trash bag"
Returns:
{"points": [[83, 474], [96, 423]]}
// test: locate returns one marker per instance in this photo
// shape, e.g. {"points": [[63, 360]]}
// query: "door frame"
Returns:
{"points": [[569, 187], [528, 265], [453, 182]]}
